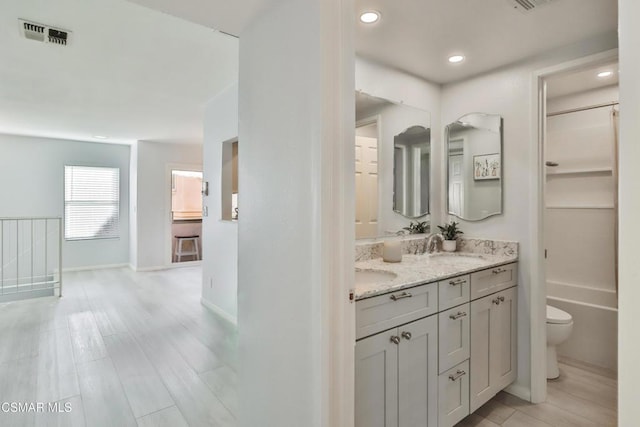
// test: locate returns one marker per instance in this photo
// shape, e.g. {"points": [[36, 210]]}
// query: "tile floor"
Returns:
{"points": [[583, 396], [126, 349]]}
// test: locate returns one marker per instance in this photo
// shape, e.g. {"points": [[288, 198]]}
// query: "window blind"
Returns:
{"points": [[91, 202]]}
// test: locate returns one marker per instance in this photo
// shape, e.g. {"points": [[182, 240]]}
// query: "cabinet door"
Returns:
{"points": [[376, 382], [453, 337], [480, 375], [504, 339], [418, 373]]}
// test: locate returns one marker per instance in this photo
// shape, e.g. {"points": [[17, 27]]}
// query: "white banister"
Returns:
{"points": [[30, 261]]}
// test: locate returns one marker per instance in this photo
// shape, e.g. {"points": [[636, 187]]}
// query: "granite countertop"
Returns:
{"points": [[425, 268]]}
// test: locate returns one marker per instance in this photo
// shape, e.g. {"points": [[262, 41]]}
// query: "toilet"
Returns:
{"points": [[559, 326]]}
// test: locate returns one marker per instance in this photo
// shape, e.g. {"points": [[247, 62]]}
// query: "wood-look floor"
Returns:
{"points": [[123, 349], [583, 396], [126, 349]]}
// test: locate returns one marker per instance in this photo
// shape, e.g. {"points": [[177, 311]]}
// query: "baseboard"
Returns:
{"points": [[95, 267], [220, 312], [520, 391], [145, 269], [185, 264]]}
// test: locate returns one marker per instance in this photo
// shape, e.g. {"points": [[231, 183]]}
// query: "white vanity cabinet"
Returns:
{"points": [[429, 355], [493, 345], [397, 376]]}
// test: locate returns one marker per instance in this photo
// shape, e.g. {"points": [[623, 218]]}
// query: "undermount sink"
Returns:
{"points": [[369, 277], [458, 258]]}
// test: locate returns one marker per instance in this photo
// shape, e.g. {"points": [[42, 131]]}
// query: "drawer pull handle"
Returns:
{"points": [[395, 339], [406, 335], [402, 295], [457, 375], [457, 315], [457, 282], [498, 270]]}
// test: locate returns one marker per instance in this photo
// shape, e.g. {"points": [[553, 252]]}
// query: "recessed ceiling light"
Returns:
{"points": [[456, 59], [604, 74], [370, 16], [99, 137]]}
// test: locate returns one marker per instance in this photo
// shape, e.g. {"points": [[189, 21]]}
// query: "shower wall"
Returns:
{"points": [[580, 223]]}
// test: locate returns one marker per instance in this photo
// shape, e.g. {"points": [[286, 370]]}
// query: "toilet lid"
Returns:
{"points": [[555, 315]]}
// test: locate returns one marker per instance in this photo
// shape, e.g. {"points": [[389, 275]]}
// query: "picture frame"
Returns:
{"points": [[487, 167]]}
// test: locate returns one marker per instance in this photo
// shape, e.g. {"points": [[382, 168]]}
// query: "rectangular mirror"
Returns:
{"points": [[474, 167], [393, 163]]}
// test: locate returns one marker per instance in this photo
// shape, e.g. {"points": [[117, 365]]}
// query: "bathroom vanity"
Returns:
{"points": [[435, 337]]}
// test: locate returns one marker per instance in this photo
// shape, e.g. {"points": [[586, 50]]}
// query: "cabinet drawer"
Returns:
{"points": [[453, 393], [453, 336], [452, 292], [495, 279], [390, 310]]}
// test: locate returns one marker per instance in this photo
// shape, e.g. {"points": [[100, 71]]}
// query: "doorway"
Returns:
{"points": [[580, 216], [186, 215], [576, 200]]}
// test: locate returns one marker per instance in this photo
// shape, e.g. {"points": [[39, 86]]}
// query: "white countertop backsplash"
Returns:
{"points": [[418, 268]]}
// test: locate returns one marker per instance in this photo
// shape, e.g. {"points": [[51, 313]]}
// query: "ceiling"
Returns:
{"points": [[129, 73], [583, 80], [417, 36], [132, 73]]}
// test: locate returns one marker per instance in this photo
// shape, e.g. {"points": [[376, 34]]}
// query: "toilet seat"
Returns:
{"points": [[557, 316]]}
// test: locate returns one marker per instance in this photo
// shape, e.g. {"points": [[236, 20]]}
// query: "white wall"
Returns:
{"points": [[508, 92], [154, 198], [296, 228], [628, 339], [383, 82], [220, 238], [32, 170]]}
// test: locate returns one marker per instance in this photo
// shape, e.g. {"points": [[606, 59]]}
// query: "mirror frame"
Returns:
{"points": [[501, 134]]}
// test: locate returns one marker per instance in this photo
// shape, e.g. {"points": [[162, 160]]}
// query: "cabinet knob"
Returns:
{"points": [[496, 301], [395, 339], [459, 373], [457, 315], [406, 335], [401, 296], [501, 299]]}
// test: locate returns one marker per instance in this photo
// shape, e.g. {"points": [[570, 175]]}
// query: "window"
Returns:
{"points": [[91, 203]]}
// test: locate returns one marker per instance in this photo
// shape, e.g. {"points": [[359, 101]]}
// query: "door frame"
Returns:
{"points": [[168, 237], [537, 279]]}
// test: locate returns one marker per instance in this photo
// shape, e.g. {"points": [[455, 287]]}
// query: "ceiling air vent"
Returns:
{"points": [[44, 33], [526, 6]]}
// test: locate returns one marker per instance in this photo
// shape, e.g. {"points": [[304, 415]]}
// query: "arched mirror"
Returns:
{"points": [[475, 166], [411, 160], [393, 153]]}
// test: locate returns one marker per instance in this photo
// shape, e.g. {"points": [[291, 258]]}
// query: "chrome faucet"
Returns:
{"points": [[430, 243]]}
